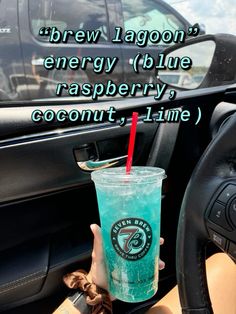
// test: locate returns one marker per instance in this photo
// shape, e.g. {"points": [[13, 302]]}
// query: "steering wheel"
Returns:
{"points": [[208, 212]]}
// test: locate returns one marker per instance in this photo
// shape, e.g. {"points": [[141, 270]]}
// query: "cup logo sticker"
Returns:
{"points": [[131, 238]]}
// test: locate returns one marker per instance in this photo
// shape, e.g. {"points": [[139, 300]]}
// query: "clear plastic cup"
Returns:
{"points": [[129, 210]]}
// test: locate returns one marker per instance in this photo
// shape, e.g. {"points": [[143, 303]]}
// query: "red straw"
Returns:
{"points": [[131, 142]]}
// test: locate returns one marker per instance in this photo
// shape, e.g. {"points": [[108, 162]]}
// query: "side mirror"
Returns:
{"points": [[201, 27], [213, 62]]}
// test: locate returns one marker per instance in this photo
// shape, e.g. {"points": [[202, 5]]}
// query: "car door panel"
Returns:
{"points": [[26, 271], [39, 166]]}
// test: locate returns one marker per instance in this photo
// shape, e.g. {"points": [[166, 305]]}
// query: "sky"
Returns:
{"points": [[218, 16]]}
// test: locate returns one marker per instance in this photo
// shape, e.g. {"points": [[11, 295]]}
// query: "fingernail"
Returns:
{"points": [[162, 266], [162, 241], [92, 227]]}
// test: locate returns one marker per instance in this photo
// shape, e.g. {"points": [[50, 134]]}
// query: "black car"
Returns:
{"points": [[22, 53]]}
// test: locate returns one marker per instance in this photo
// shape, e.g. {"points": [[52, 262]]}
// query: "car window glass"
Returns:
{"points": [[149, 15], [81, 14]]}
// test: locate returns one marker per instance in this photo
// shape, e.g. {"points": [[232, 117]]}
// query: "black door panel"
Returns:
{"points": [[41, 239], [39, 166], [25, 273]]}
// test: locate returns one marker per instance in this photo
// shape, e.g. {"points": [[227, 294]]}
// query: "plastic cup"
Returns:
{"points": [[129, 210]]}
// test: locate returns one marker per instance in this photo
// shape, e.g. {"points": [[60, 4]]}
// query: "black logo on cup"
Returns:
{"points": [[131, 238]]}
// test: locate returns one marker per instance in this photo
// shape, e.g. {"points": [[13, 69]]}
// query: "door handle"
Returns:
{"points": [[131, 61], [39, 61], [91, 165]]}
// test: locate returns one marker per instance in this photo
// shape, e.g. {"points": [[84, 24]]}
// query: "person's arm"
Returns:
{"points": [[221, 278], [92, 296]]}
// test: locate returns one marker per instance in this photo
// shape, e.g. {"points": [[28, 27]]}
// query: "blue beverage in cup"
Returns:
{"points": [[129, 210]]}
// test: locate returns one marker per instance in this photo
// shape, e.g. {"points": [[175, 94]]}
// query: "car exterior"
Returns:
{"points": [[22, 50]]}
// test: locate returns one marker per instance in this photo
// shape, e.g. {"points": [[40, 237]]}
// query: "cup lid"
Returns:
{"points": [[137, 175]]}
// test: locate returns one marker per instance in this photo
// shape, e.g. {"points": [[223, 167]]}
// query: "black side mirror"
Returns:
{"points": [[201, 27], [213, 62]]}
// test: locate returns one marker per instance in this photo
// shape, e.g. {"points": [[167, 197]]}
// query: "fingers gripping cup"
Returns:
{"points": [[129, 209]]}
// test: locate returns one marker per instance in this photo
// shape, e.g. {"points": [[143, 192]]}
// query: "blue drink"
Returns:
{"points": [[129, 209]]}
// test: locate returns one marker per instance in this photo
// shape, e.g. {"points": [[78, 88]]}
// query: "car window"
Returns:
{"points": [[173, 79], [149, 15], [81, 14]]}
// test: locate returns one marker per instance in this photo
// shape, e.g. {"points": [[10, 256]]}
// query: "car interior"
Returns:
{"points": [[48, 200]]}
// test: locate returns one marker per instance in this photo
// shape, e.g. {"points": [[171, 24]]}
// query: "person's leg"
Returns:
{"points": [[221, 277]]}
